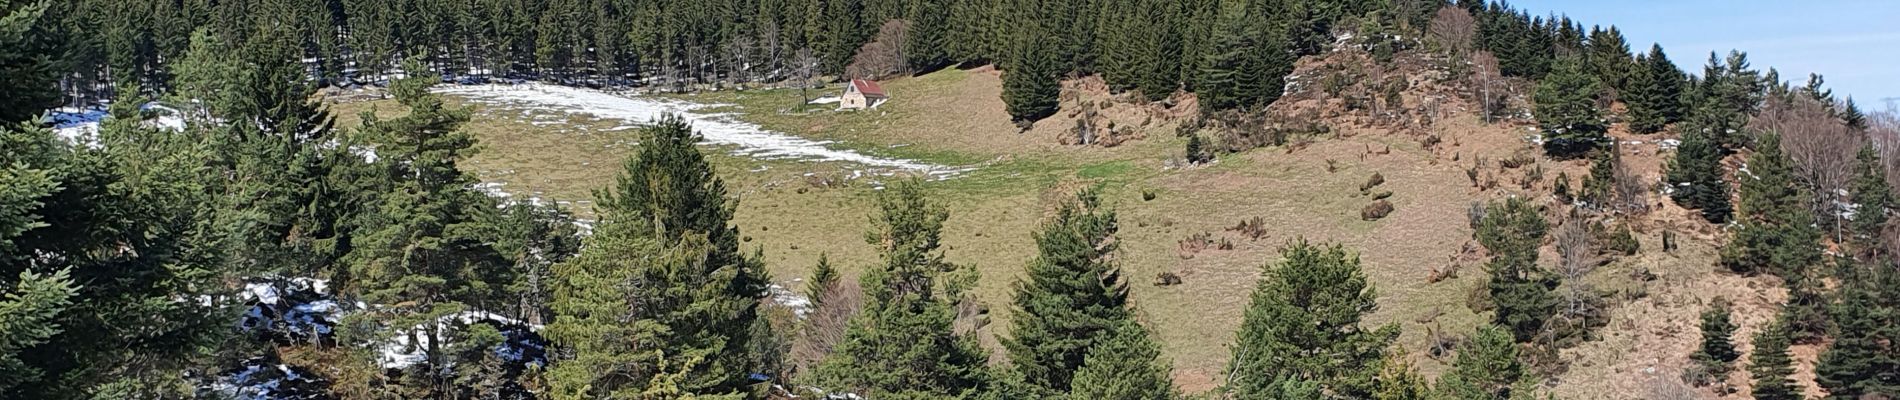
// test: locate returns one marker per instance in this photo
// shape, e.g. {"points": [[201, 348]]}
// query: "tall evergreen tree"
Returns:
{"points": [[1695, 177], [1727, 94], [1655, 92], [427, 252], [1124, 365], [902, 345], [925, 44], [1771, 366], [1303, 325], [1567, 110], [1072, 298], [1777, 234], [1609, 58], [1487, 367], [26, 61], [1030, 89], [1863, 362], [1522, 292], [664, 254], [1872, 198], [824, 278]]}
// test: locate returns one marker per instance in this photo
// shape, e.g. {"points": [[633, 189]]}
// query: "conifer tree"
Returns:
{"points": [[1609, 58], [1695, 177], [902, 345], [30, 313], [1487, 367], [27, 70], [1030, 89], [1124, 365], [1522, 292], [1072, 298], [1599, 188], [1852, 116], [1728, 93], [427, 250], [1771, 366], [1871, 198], [824, 277], [1777, 234], [1655, 93], [1862, 361], [664, 252], [1567, 110], [1717, 351], [925, 44], [1303, 325]]}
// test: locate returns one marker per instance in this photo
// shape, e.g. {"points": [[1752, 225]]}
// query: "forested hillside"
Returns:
{"points": [[220, 234]]}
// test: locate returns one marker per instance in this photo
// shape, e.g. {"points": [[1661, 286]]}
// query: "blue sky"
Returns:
{"points": [[1854, 44]]}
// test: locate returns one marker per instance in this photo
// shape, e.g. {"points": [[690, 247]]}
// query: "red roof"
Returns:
{"points": [[868, 88]]}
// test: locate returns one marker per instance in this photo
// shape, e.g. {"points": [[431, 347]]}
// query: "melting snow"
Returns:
{"points": [[718, 129]]}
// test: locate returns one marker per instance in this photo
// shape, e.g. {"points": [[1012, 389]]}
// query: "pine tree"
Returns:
{"points": [[1124, 365], [1609, 58], [1777, 233], [1522, 292], [696, 295], [1862, 361], [901, 345], [1567, 110], [1030, 89], [1303, 325], [30, 313], [824, 277], [1771, 366], [1487, 367], [1073, 296], [1717, 351], [1655, 93], [427, 252], [1852, 116], [925, 43], [1695, 175], [27, 70], [1871, 198], [1599, 188], [1728, 93]]}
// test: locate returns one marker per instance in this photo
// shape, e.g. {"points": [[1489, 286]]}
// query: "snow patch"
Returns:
{"points": [[719, 129]]}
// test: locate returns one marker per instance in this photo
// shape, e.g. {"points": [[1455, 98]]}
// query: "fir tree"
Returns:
{"points": [[1871, 198], [1695, 175], [1030, 89], [1862, 361], [665, 230], [428, 245], [1609, 58], [1852, 116], [27, 69], [30, 313], [1522, 292], [901, 345], [1073, 296], [1771, 366], [1487, 367], [1303, 325], [1777, 233], [1567, 110], [1124, 365], [1599, 188], [1728, 93], [924, 44], [1717, 351], [1655, 93], [824, 278]]}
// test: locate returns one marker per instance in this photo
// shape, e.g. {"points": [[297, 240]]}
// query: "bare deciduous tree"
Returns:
{"points": [[1631, 191], [739, 56], [1454, 28], [804, 69], [1822, 148], [883, 56], [825, 325], [1577, 257], [1486, 80]]}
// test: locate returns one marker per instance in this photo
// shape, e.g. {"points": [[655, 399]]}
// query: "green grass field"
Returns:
{"points": [[954, 118]]}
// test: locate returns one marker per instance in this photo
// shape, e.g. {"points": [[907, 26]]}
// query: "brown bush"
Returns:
{"points": [[825, 324], [1167, 279], [1376, 210], [883, 56], [1253, 228]]}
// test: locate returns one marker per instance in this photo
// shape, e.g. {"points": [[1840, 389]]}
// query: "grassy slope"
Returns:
{"points": [[954, 117]]}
